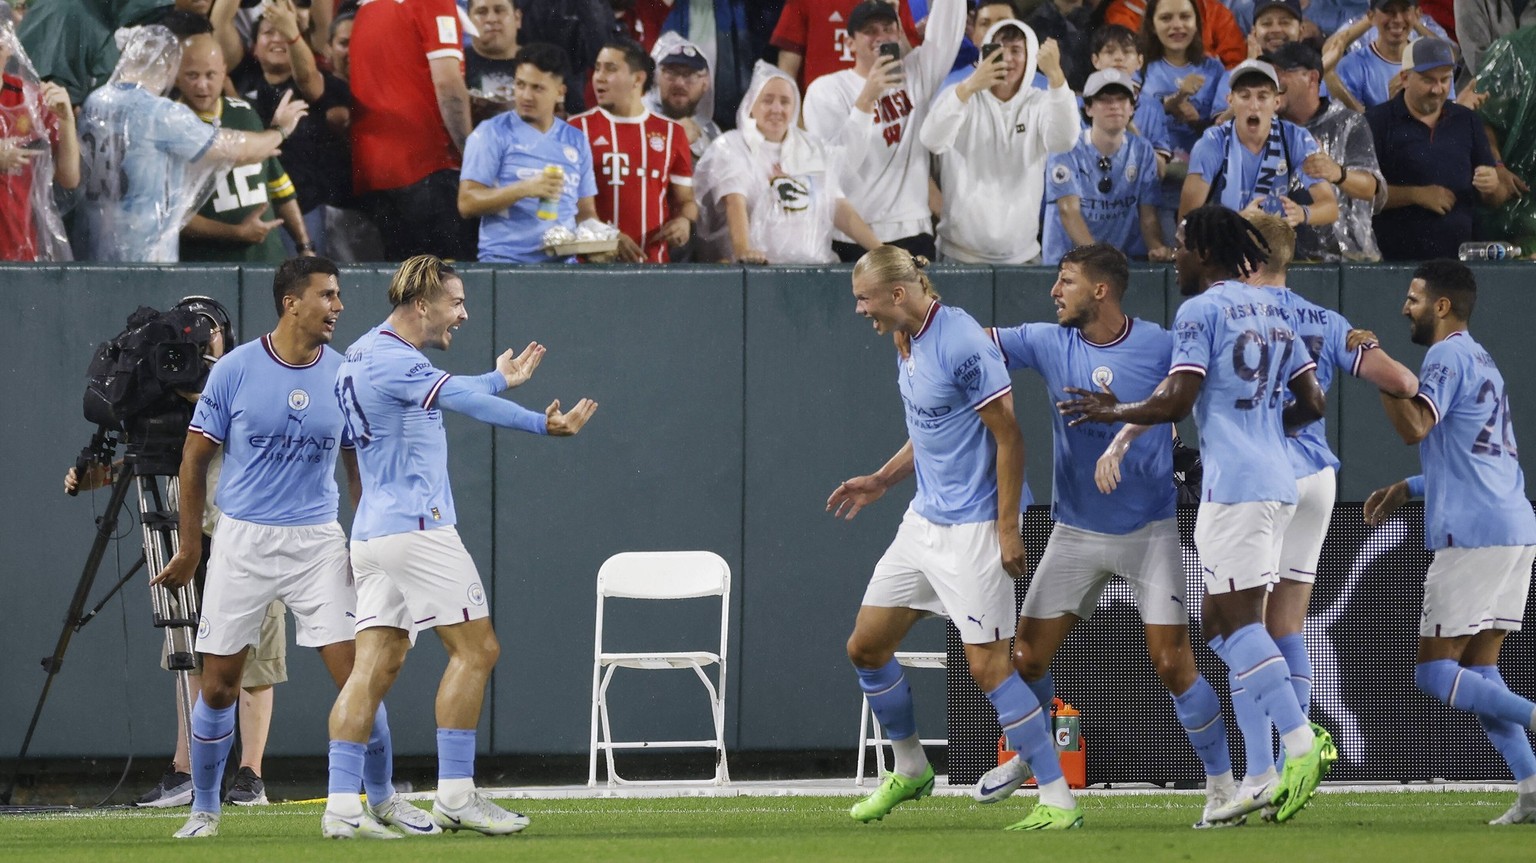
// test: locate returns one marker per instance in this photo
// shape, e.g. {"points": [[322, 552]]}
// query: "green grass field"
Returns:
{"points": [[1359, 828]]}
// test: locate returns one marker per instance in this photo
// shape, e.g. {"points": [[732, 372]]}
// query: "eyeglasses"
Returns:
{"points": [[1105, 183]]}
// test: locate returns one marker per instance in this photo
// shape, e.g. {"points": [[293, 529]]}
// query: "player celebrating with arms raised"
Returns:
{"points": [[1477, 519], [959, 542]]}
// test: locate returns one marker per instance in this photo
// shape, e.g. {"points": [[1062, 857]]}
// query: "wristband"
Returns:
{"points": [[1415, 485], [1343, 175], [280, 131], [305, 247], [1306, 215]]}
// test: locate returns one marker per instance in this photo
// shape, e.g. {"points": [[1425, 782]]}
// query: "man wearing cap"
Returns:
{"points": [[1435, 157], [1365, 73], [1347, 158], [1275, 22], [993, 135], [1256, 159], [814, 39], [680, 90], [1105, 189], [875, 111]]}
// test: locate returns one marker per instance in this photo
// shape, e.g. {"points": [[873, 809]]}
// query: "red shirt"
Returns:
{"points": [[398, 136], [643, 22], [18, 120], [636, 160], [817, 30]]}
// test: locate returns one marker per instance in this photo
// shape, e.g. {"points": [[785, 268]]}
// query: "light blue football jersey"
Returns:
{"points": [[280, 428], [1132, 366], [1325, 332], [1474, 490], [1113, 216], [504, 150], [1239, 338], [953, 371]]}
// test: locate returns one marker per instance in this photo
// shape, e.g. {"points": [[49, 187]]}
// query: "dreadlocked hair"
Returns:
{"points": [[890, 266], [1223, 239]]}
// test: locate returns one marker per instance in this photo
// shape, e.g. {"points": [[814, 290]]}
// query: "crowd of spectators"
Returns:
{"points": [[775, 131]]}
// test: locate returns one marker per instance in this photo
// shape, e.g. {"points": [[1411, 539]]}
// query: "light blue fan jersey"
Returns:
{"points": [[1132, 365], [1239, 338], [1474, 490], [953, 371], [280, 428]]}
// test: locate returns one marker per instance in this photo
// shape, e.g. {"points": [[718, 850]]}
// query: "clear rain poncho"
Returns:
{"points": [[1508, 76], [30, 227], [147, 163], [791, 188]]}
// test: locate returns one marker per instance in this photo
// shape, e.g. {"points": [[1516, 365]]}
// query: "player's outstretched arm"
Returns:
{"points": [[858, 492], [517, 370], [569, 423], [1411, 418], [1000, 420], [196, 454], [1390, 376], [1172, 401]]}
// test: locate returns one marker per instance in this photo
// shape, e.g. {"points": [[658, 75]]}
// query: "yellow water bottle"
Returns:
{"points": [[549, 208]]}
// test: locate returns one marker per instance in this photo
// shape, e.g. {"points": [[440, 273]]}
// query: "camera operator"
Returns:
{"points": [[269, 662]]}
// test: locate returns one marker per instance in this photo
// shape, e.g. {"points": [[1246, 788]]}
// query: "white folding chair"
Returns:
{"points": [[870, 733], [660, 575]]}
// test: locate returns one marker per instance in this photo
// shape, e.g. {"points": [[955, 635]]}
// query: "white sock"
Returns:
{"points": [[911, 760], [1057, 794], [454, 793], [1220, 782], [345, 805], [1298, 741], [1526, 786]]}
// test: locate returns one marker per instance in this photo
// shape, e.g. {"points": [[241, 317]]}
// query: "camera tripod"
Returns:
{"points": [[150, 467]]}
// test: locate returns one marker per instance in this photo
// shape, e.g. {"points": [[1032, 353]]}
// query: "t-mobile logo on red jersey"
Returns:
{"points": [[842, 43], [615, 168], [889, 112]]}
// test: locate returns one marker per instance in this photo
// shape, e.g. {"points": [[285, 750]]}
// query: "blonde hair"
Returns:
{"points": [[419, 278], [1279, 236], [890, 266]]}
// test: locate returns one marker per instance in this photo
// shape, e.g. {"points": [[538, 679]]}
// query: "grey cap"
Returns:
{"points": [[1255, 67], [1108, 78]]}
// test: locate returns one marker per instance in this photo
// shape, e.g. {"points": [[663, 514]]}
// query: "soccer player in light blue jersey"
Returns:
{"points": [[268, 405], [1234, 357], [1335, 347], [1477, 519], [959, 541], [412, 569], [1131, 533]]}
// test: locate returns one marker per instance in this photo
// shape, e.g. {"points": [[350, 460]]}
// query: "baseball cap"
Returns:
{"points": [[1428, 53], [1291, 6], [1295, 55], [868, 12], [684, 55], [1103, 78], [1249, 68], [1377, 4]]}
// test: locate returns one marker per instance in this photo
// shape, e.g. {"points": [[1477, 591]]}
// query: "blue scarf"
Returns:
{"points": [[1274, 175]]}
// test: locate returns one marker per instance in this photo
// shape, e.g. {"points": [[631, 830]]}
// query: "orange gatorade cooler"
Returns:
{"points": [[1066, 725]]}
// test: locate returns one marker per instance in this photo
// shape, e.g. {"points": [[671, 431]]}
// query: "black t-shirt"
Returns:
{"points": [[318, 160], [493, 78]]}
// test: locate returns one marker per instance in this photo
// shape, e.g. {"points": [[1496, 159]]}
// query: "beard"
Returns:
{"points": [[1422, 331]]}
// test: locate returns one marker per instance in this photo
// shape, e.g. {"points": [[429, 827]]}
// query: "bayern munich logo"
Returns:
{"points": [[298, 400], [1103, 376], [476, 594]]}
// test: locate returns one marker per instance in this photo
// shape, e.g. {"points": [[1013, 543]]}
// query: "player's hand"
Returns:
{"points": [[289, 112], [1385, 501], [1106, 473], [517, 370], [629, 251], [853, 495], [179, 571], [569, 423], [253, 229], [1089, 407], [1012, 545], [1485, 179], [1358, 337], [1437, 199], [674, 232], [542, 185]]}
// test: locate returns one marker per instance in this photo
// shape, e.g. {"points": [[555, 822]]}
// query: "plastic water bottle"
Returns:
{"points": [[1488, 252], [549, 208]]}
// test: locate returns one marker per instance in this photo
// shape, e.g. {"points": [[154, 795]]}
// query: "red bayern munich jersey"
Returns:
{"points": [[636, 160], [817, 30], [398, 136]]}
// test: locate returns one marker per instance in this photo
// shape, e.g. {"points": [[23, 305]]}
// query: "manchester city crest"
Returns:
{"points": [[298, 400], [1130, 172], [1103, 376]]}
